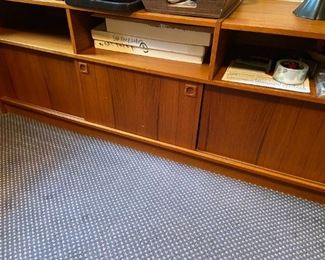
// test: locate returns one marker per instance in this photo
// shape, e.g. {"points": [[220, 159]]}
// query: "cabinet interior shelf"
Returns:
{"points": [[41, 41], [50, 3], [274, 17], [311, 97], [183, 70], [61, 45]]}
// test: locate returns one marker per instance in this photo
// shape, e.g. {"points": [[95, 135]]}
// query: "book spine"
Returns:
{"points": [[193, 50], [159, 31], [111, 46]]}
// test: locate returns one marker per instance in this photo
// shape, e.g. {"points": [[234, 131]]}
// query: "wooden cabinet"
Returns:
{"points": [[269, 135], [44, 80], [276, 133], [159, 108]]}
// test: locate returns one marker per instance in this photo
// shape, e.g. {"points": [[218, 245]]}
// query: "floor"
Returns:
{"points": [[68, 196]]}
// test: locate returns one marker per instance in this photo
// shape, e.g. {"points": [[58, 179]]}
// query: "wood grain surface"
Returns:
{"points": [[26, 74], [6, 88], [62, 84], [275, 17], [139, 103], [43, 80], [284, 135]]}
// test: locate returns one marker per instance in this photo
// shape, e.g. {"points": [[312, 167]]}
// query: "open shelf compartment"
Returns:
{"points": [[83, 22], [241, 44], [35, 27]]}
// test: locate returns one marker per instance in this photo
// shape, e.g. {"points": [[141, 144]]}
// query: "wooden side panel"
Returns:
{"points": [[97, 95], [79, 26], [280, 134], [62, 83], [142, 104], [25, 70]]}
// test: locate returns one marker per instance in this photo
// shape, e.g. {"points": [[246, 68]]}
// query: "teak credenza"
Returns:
{"points": [[186, 112]]}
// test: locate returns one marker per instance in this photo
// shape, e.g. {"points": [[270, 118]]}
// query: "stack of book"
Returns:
{"points": [[160, 40]]}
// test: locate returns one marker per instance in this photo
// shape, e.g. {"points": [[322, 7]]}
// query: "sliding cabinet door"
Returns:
{"points": [[26, 75], [41, 79], [276, 133], [151, 106]]}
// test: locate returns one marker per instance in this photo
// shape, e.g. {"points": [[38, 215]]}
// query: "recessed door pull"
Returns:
{"points": [[190, 90], [83, 67]]}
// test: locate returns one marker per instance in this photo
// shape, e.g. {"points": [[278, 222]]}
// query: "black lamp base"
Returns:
{"points": [[311, 9]]}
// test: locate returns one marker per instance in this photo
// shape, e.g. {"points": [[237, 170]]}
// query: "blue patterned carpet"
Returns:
{"points": [[67, 196]]}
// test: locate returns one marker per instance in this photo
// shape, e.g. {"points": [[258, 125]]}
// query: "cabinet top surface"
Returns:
{"points": [[140, 14], [266, 16], [275, 17]]}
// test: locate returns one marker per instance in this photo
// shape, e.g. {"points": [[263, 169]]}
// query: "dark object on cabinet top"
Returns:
{"points": [[200, 8], [111, 5], [311, 9]]}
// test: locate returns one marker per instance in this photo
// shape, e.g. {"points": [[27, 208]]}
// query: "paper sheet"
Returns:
{"points": [[260, 78]]}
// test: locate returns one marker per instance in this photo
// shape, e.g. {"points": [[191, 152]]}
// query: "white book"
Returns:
{"points": [[100, 33], [161, 31], [112, 46]]}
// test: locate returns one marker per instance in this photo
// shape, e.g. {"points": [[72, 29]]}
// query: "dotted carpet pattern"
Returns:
{"points": [[67, 196]]}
